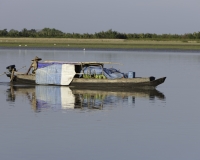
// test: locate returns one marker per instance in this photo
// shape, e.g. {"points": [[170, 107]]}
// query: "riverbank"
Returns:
{"points": [[97, 43]]}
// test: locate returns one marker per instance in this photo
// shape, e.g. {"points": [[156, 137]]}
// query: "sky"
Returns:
{"points": [[90, 16]]}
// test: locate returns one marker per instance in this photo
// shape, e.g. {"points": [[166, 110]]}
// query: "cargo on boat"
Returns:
{"points": [[80, 74]]}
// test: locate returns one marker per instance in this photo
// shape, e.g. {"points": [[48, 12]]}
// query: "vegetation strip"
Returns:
{"points": [[97, 43], [110, 34]]}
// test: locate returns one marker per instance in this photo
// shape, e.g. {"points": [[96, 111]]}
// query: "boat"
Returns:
{"points": [[42, 97], [80, 75]]}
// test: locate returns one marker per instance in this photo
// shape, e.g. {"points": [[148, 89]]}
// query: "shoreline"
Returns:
{"points": [[97, 44], [102, 49]]}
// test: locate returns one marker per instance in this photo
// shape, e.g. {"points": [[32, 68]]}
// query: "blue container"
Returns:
{"points": [[131, 74]]}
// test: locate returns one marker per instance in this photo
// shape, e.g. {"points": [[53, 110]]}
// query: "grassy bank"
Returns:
{"points": [[98, 43]]}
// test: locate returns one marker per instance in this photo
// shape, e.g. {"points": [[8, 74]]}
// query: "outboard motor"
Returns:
{"points": [[10, 68], [152, 78]]}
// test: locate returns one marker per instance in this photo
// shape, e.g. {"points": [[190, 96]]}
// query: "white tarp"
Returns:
{"points": [[58, 74]]}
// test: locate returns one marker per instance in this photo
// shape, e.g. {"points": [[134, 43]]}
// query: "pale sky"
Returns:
{"points": [[90, 16]]}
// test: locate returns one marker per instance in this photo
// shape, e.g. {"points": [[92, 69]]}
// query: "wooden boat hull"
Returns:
{"points": [[118, 83], [145, 83]]}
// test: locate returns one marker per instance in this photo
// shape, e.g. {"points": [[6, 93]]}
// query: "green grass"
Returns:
{"points": [[98, 43]]}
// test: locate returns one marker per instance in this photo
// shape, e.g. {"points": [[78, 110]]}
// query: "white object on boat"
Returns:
{"points": [[57, 74]]}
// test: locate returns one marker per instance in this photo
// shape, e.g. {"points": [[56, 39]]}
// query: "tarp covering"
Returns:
{"points": [[109, 73], [58, 74]]}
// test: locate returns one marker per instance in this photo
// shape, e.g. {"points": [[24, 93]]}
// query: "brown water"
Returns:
{"points": [[51, 122]]}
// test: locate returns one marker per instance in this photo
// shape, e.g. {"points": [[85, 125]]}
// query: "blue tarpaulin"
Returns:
{"points": [[42, 65], [109, 73]]}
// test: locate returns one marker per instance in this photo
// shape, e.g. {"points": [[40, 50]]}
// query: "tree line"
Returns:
{"points": [[110, 34]]}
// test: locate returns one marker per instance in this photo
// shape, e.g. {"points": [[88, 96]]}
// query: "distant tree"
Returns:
{"points": [[76, 35], [196, 35], [141, 35], [68, 35], [24, 33], [32, 33], [56, 33], [48, 32], [148, 35], [13, 33], [3, 32]]}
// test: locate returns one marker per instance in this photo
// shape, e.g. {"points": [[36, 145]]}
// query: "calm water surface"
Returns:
{"points": [[52, 122]]}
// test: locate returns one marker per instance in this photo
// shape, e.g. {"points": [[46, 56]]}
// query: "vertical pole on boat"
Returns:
{"points": [[82, 68], [29, 69], [12, 75], [102, 69]]}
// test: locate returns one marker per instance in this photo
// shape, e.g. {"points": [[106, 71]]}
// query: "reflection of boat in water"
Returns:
{"points": [[62, 97]]}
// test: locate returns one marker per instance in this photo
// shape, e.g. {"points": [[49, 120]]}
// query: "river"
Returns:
{"points": [[54, 122]]}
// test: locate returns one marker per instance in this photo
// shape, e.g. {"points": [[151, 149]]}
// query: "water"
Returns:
{"points": [[51, 122]]}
